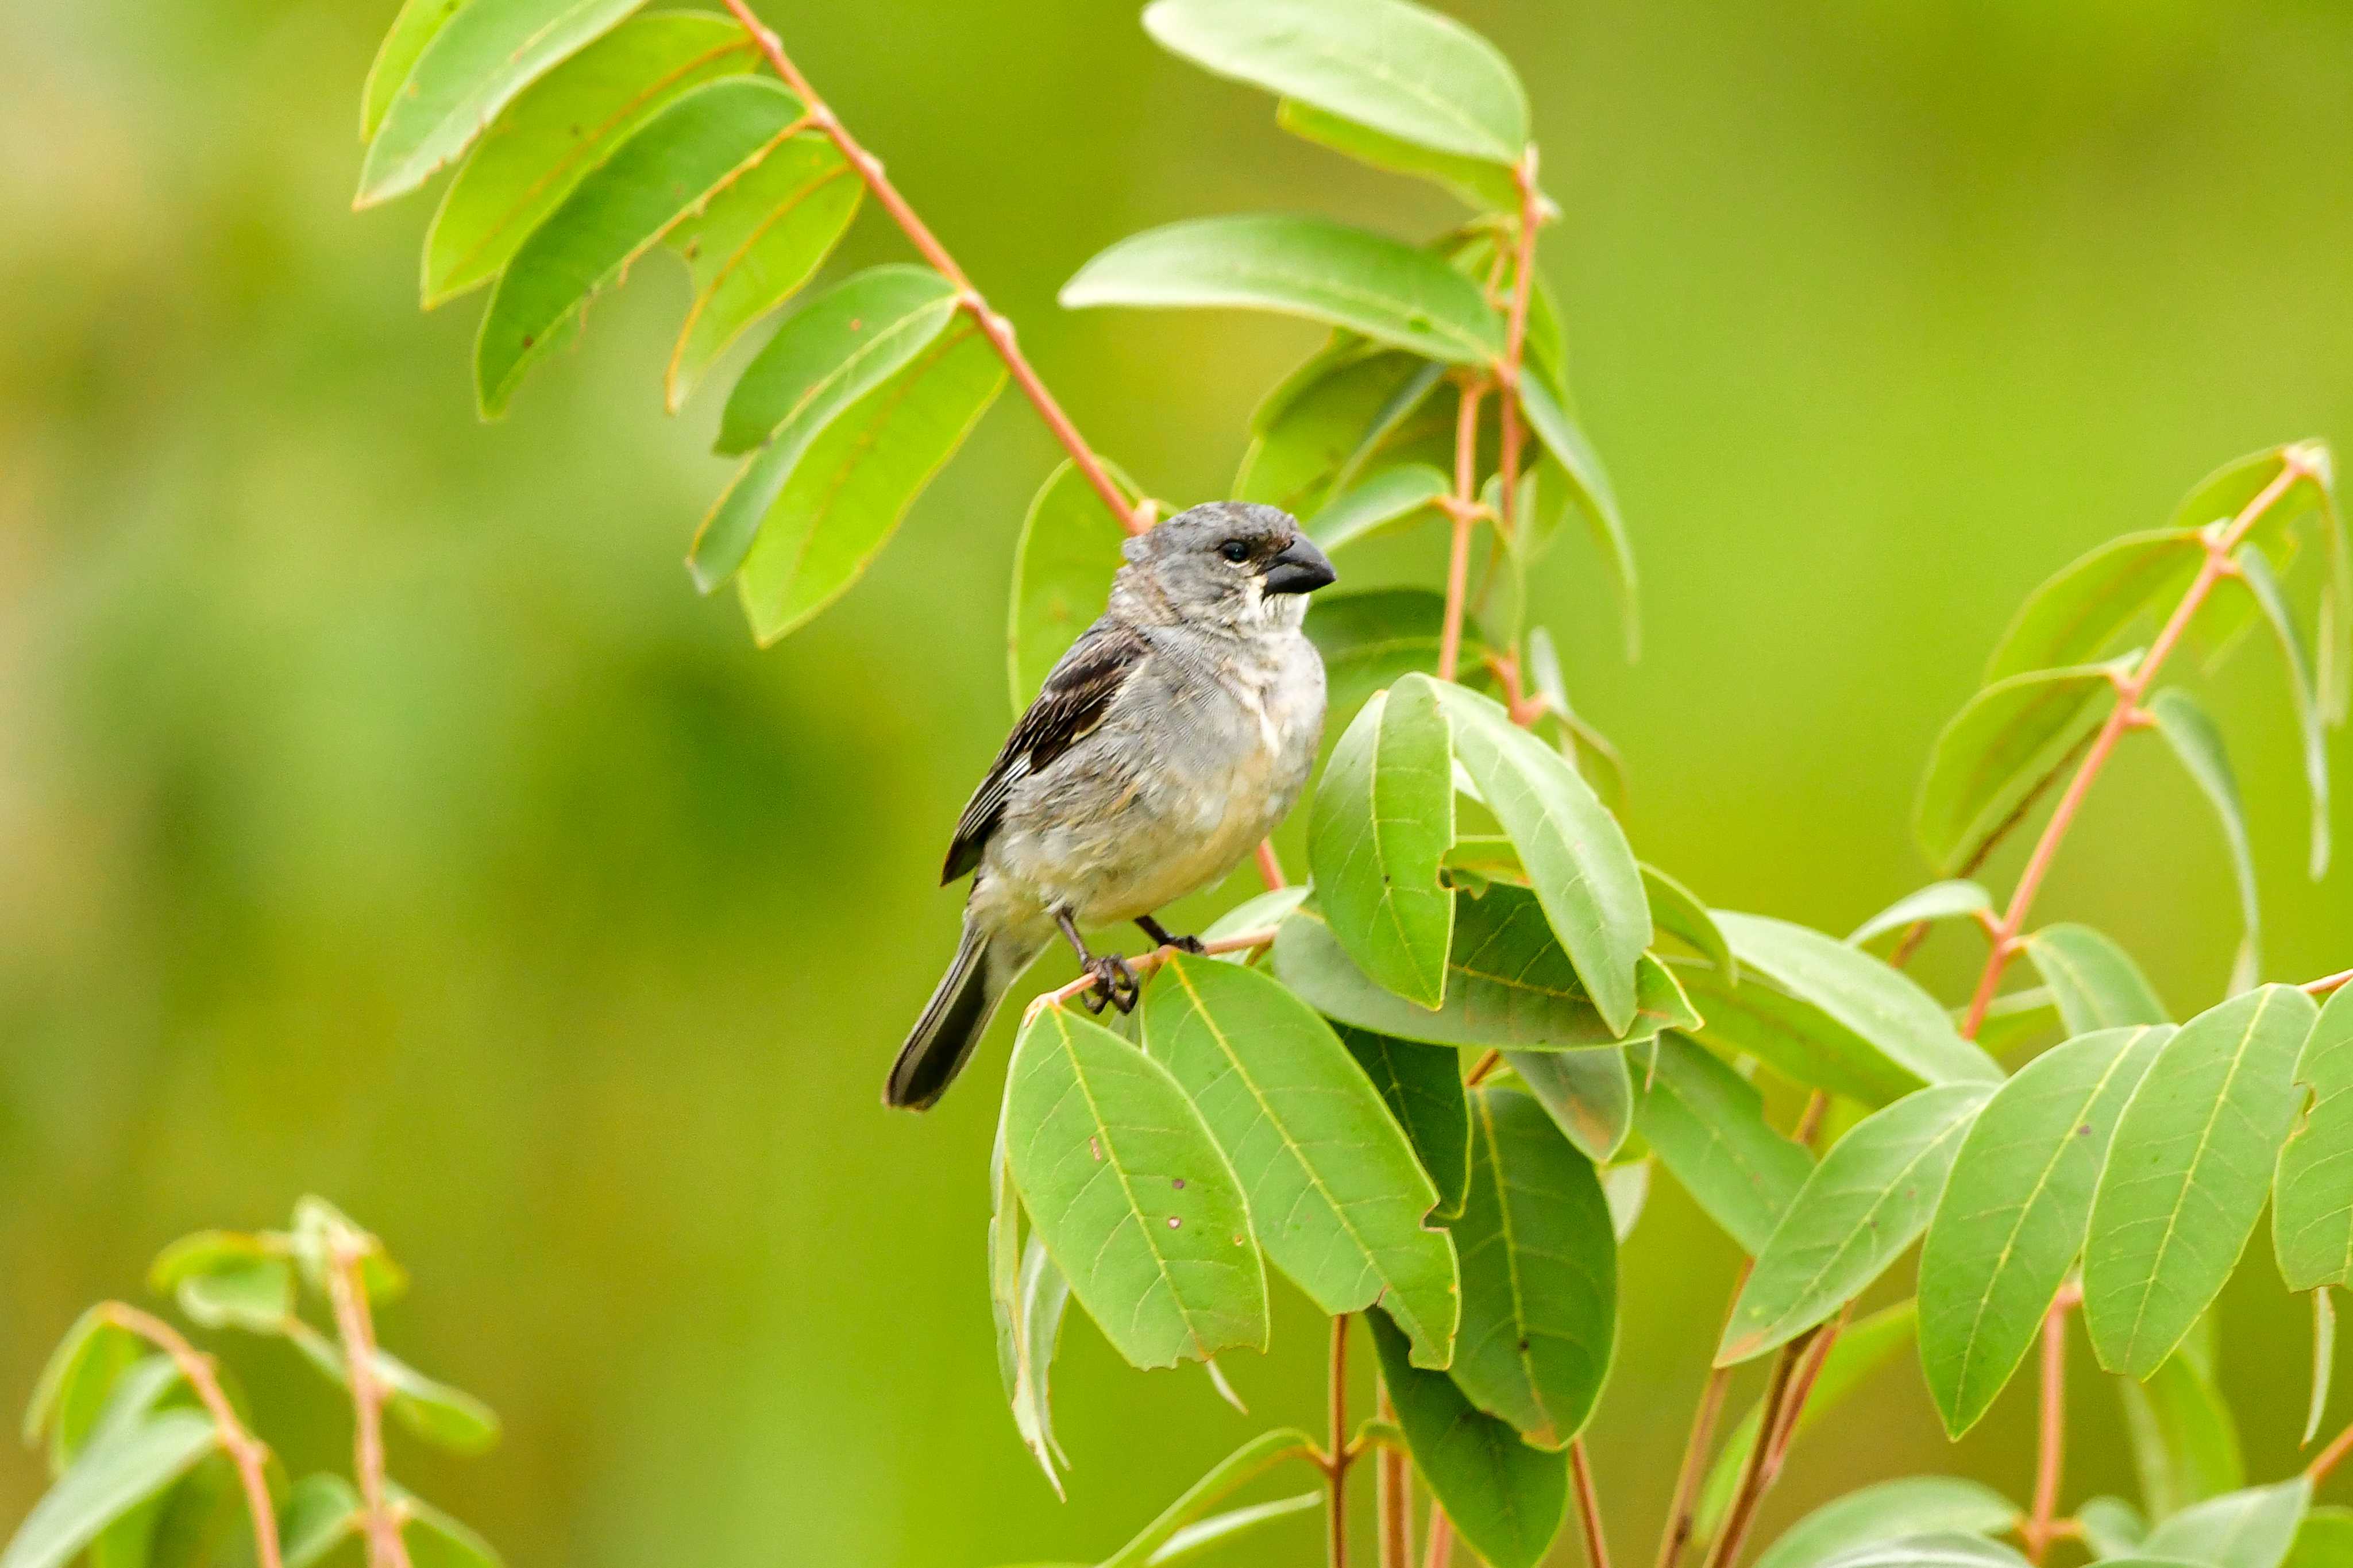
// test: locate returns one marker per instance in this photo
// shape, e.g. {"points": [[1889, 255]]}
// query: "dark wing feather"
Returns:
{"points": [[1075, 696]]}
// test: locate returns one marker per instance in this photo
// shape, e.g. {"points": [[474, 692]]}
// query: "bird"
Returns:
{"points": [[1170, 738]]}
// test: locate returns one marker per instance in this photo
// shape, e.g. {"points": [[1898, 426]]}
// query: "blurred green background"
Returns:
{"points": [[382, 815]]}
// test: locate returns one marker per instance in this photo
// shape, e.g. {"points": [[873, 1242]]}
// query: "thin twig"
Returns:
{"points": [[2328, 1459], [1465, 502], [994, 327], [1515, 334], [2328, 983], [1336, 1473], [246, 1451], [1682, 1509], [1801, 1388], [1393, 1496], [1751, 1489], [2132, 690], [348, 1290], [2051, 1451], [1589, 1507], [1440, 1553], [1810, 1118], [1269, 866], [1486, 1064], [1144, 964]]}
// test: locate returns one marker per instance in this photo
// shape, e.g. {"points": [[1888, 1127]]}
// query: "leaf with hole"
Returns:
{"points": [[619, 212], [1864, 1204], [468, 68], [2188, 1174], [856, 479], [563, 126], [2311, 1188], [1504, 1497], [1336, 1195], [2011, 1222], [1706, 1124], [2002, 749], [1306, 266], [1382, 821], [2094, 983], [1131, 1196], [1397, 68]]}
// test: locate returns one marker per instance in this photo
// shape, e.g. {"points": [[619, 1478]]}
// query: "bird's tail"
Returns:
{"points": [[952, 1021]]}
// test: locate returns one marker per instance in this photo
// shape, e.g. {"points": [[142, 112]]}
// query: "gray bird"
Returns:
{"points": [[1167, 744]]}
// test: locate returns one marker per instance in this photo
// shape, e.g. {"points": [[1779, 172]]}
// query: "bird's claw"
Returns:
{"points": [[1115, 985], [1192, 944]]}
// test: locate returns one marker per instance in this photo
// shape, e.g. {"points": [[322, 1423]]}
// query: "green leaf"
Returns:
{"points": [[1585, 878], [1539, 1273], [2185, 1444], [437, 1540], [2112, 1527], [2197, 741], [74, 1381], [1392, 496], [1596, 759], [1335, 1195], [2017, 1020], [2188, 1174], [1626, 1188], [1262, 912], [754, 244], [2323, 1360], [1219, 1528], [1508, 983], [256, 1295], [2312, 1193], [2012, 1219], [1071, 546], [1941, 1549], [1868, 1344], [856, 479], [1487, 186], [1895, 1019], [2095, 984], [1504, 1497], [1889, 1511], [2001, 750], [1242, 1466], [1936, 901], [1372, 640], [2252, 1529], [1797, 1038], [2093, 603], [657, 180], [445, 1416], [1863, 1204], [469, 68], [1383, 818], [1022, 1356], [321, 1512], [412, 29], [1706, 1124], [1394, 68], [1677, 911], [571, 120], [2324, 1539], [112, 1475], [319, 1228], [1422, 1087], [1352, 406], [1159, 1253], [837, 346], [1307, 267], [1589, 1095], [1590, 490], [2255, 574], [205, 1252]]}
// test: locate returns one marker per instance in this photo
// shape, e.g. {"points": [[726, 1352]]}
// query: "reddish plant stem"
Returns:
{"points": [[1440, 1553], [1337, 1470], [1682, 1509], [2131, 691], [2328, 983], [994, 327], [1801, 1388], [2050, 1452], [2328, 1459], [1589, 1507], [1464, 507], [1393, 1494], [348, 1290], [1269, 866], [1516, 333], [1488, 1062], [245, 1452], [1751, 1489], [1144, 964]]}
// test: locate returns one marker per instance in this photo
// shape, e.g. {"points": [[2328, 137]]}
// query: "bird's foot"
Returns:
{"points": [[1160, 938], [1115, 983]]}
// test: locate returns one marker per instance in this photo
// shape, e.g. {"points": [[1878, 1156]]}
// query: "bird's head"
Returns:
{"points": [[1231, 563]]}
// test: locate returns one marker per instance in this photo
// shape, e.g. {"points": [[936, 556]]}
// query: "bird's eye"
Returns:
{"points": [[1235, 550]]}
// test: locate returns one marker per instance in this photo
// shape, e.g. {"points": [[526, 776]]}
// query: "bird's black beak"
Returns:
{"points": [[1300, 569]]}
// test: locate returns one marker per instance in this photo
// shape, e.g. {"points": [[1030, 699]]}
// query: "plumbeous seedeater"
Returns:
{"points": [[1167, 744]]}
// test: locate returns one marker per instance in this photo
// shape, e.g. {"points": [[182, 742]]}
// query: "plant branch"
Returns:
{"points": [[2132, 690], [348, 1291], [1464, 507], [1589, 1507], [1801, 1388], [1440, 1553], [1336, 1471], [994, 327], [1753, 1481], [2328, 983], [2049, 1460], [1393, 1494], [1144, 964], [1516, 334], [1682, 1511], [246, 1451], [2328, 1459]]}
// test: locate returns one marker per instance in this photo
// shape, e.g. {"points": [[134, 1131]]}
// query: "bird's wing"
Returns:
{"points": [[1076, 695]]}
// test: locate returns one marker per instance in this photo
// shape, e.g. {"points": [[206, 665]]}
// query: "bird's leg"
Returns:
{"points": [[1115, 983], [1160, 937]]}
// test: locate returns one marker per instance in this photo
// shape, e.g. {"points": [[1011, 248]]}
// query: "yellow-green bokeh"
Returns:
{"points": [[382, 815]]}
